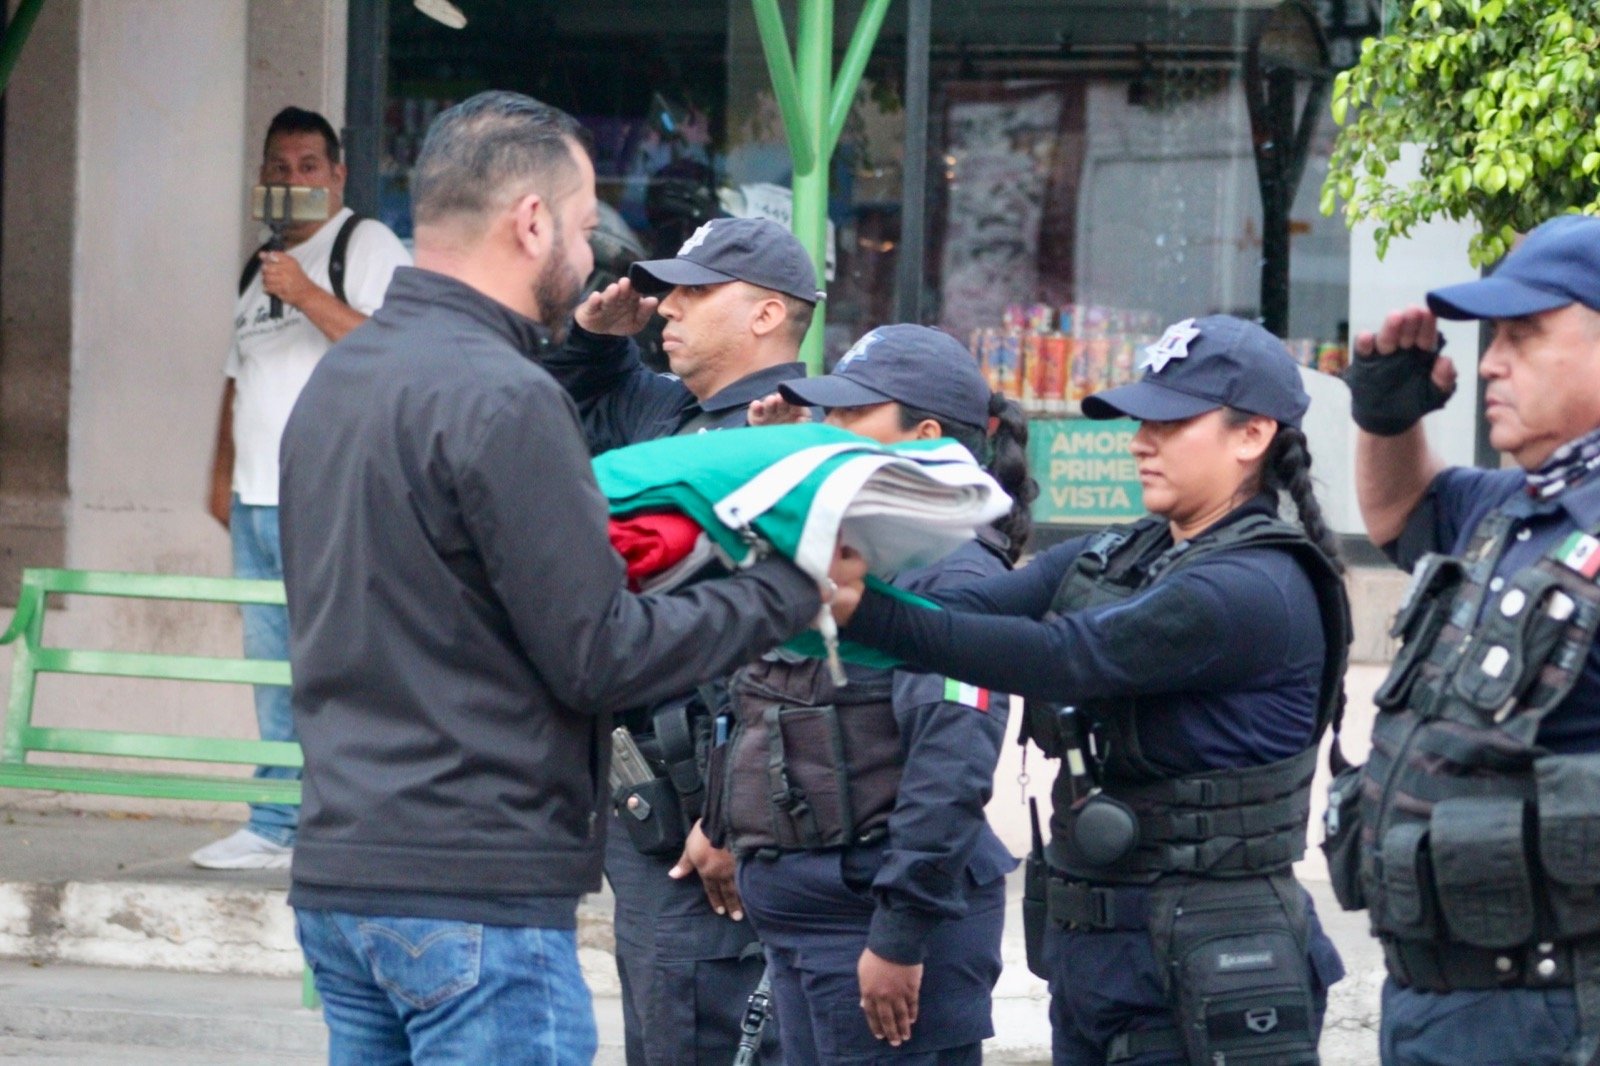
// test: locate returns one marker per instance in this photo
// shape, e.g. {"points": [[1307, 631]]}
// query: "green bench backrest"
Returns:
{"points": [[33, 657]]}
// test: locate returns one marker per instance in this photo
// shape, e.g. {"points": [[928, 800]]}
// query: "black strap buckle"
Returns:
{"points": [[1078, 906]]}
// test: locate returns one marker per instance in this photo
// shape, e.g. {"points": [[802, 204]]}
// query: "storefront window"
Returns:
{"points": [[1092, 174], [1096, 180]]}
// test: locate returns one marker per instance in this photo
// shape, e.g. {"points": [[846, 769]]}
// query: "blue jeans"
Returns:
{"points": [[256, 554], [398, 991]]}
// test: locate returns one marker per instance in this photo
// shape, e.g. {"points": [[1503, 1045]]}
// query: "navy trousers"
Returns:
{"points": [[813, 910], [1103, 984], [686, 971], [1533, 1027]]}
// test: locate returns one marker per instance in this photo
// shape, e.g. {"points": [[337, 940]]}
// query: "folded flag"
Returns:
{"points": [[799, 489], [654, 544]]}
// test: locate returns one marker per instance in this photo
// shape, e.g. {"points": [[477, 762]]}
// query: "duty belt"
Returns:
{"points": [[1431, 967], [1080, 906], [871, 838]]}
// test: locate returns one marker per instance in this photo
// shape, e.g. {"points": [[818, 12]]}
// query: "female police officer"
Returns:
{"points": [[1184, 667], [866, 864]]}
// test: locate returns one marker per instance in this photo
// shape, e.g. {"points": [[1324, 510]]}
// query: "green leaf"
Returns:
{"points": [[1341, 107], [1591, 163]]}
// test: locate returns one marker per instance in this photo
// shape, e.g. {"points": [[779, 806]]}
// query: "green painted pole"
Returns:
{"points": [[815, 107], [814, 67], [850, 71], [780, 65], [17, 31]]}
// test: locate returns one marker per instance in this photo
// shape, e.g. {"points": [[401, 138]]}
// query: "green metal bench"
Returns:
{"points": [[33, 657], [21, 738]]}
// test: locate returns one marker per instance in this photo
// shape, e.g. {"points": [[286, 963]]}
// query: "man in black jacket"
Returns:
{"points": [[459, 628], [737, 299]]}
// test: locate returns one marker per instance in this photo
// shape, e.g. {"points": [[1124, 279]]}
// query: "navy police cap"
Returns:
{"points": [[753, 250], [1201, 364], [1556, 265], [917, 366]]}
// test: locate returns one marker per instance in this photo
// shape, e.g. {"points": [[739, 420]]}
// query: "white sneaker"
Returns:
{"points": [[243, 850]]}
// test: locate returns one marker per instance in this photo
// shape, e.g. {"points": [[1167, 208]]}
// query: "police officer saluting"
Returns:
{"points": [[737, 300], [1184, 668], [1472, 836]]}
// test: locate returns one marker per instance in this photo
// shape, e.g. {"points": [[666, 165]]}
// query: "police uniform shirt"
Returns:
{"points": [[1224, 656], [1456, 502], [939, 841]]}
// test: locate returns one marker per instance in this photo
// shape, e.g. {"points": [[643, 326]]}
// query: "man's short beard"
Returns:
{"points": [[558, 288]]}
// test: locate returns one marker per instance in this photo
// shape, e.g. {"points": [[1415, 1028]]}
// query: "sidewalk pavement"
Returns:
{"points": [[114, 949]]}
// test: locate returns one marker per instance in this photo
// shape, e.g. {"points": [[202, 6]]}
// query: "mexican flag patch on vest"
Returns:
{"points": [[966, 695], [1581, 552]]}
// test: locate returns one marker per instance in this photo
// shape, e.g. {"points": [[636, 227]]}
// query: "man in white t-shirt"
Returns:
{"points": [[269, 363]]}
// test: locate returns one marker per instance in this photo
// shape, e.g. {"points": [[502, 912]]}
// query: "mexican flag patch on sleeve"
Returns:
{"points": [[966, 695]]}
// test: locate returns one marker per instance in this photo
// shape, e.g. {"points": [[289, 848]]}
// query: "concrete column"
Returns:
{"points": [[41, 122], [295, 54]]}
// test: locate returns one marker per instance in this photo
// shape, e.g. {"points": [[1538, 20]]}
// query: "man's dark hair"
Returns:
{"points": [[801, 312], [299, 120], [477, 148]]}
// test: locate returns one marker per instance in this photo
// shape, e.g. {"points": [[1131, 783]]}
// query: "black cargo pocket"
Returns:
{"points": [[1243, 982], [1480, 868], [1406, 881], [1341, 842], [810, 790], [1422, 614], [1569, 840], [650, 813]]}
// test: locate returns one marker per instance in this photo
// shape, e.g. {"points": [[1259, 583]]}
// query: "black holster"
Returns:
{"points": [[1035, 898], [652, 816]]}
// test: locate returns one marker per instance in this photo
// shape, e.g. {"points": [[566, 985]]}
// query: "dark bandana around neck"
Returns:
{"points": [[1567, 465]]}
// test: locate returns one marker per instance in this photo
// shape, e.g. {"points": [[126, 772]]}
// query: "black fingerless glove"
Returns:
{"points": [[1390, 393]]}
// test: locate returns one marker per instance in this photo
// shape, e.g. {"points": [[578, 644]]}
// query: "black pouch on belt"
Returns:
{"points": [[1235, 953], [1341, 841], [1035, 898], [652, 816]]}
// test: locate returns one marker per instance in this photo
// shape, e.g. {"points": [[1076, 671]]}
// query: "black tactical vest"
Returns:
{"points": [[1476, 852], [1218, 824], [808, 764]]}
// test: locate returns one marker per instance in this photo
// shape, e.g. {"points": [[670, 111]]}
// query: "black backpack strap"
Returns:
{"points": [[252, 267], [341, 242]]}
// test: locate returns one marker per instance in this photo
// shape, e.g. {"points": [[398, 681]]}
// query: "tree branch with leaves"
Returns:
{"points": [[1503, 99]]}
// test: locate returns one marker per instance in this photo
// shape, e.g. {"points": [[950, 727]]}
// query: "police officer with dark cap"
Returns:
{"points": [[737, 301], [1183, 669], [857, 812], [1472, 835]]}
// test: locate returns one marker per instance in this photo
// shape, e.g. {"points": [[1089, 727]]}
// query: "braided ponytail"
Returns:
{"points": [[1287, 467], [1007, 460], [1003, 453]]}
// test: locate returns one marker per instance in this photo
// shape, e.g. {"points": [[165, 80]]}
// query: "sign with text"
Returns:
{"points": [[1086, 475]]}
